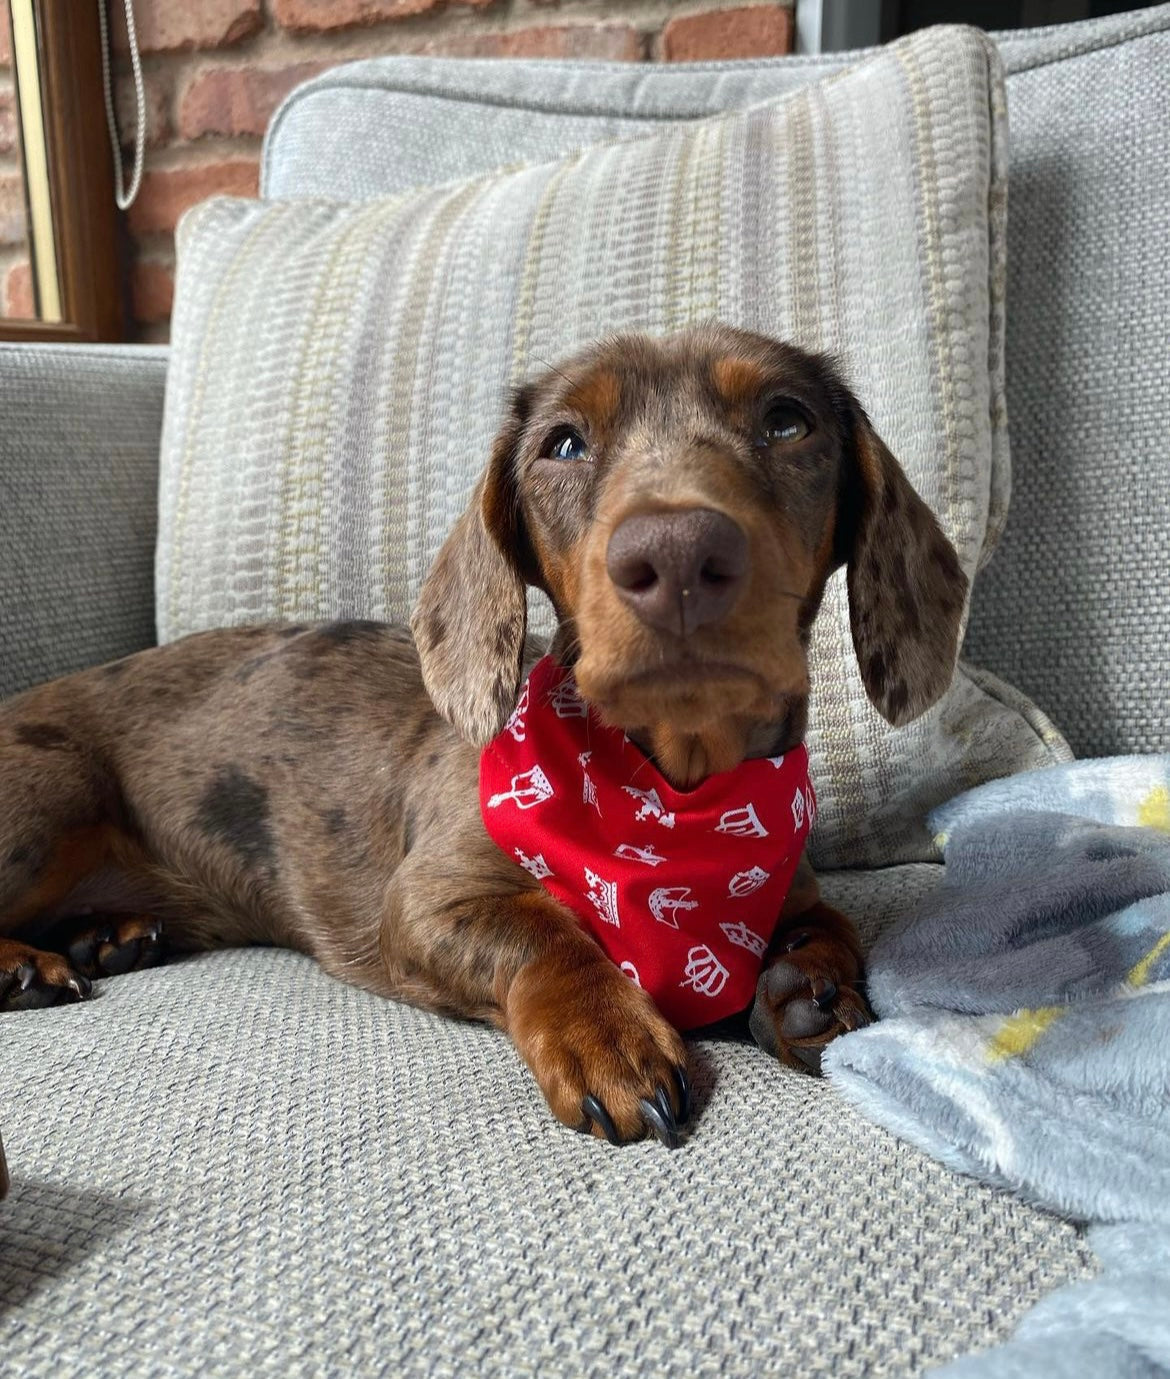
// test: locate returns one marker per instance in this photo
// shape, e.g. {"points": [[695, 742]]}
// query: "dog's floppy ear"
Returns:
{"points": [[470, 619], [907, 590]]}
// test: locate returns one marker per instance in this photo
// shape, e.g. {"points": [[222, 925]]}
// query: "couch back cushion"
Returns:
{"points": [[1072, 609]]}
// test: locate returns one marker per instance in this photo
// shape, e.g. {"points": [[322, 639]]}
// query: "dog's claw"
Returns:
{"points": [[81, 987], [26, 974], [824, 993], [684, 1094], [665, 1129], [662, 1101], [595, 1111], [795, 941]]}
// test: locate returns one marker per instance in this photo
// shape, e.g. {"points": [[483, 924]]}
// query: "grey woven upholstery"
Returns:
{"points": [[78, 482], [237, 1166], [1073, 610]]}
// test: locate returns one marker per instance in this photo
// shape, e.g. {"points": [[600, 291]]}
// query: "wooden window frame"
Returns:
{"points": [[80, 171]]}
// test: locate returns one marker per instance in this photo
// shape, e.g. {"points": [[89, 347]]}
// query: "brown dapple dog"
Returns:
{"points": [[682, 502]]}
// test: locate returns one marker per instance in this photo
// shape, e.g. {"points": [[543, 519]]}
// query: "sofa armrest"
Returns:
{"points": [[79, 444]]}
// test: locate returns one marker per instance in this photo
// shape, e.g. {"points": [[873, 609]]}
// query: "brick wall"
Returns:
{"points": [[216, 69]]}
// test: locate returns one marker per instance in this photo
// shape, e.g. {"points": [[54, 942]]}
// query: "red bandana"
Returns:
{"points": [[681, 889]]}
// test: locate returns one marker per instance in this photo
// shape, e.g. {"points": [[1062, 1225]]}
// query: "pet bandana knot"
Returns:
{"points": [[682, 889]]}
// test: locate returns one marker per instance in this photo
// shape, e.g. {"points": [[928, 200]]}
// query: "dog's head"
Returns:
{"points": [[682, 502]]}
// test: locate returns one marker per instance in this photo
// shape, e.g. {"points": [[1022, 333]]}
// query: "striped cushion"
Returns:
{"points": [[338, 370]]}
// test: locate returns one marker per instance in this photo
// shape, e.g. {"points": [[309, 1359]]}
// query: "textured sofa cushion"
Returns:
{"points": [[337, 371], [79, 437], [239, 1167], [1073, 610]]}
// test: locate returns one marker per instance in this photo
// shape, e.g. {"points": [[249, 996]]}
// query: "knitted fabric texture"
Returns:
{"points": [[682, 889]]}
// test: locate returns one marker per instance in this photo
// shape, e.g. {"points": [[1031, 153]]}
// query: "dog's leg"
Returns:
{"points": [[808, 992], [606, 1060], [54, 832]]}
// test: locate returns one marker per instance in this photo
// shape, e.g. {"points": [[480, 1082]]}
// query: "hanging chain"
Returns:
{"points": [[123, 196]]}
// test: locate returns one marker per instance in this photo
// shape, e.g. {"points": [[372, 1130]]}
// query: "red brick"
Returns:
{"points": [[312, 16], [18, 293], [750, 31], [12, 224], [238, 100], [7, 119], [165, 195], [614, 41], [152, 291], [170, 26], [158, 118]]}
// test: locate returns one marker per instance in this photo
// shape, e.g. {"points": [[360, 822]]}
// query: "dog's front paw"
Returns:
{"points": [[31, 980], [804, 1000], [606, 1060]]}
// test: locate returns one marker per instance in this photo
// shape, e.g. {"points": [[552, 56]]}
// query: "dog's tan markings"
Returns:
{"points": [[739, 380], [597, 397], [74, 857]]}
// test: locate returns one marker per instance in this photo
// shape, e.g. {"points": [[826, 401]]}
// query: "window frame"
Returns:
{"points": [[80, 174]]}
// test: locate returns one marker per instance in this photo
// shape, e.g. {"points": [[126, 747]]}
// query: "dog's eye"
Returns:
{"points": [[564, 444], [783, 424]]}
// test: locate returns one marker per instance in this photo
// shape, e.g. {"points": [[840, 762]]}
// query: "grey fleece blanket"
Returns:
{"points": [[1025, 1039]]}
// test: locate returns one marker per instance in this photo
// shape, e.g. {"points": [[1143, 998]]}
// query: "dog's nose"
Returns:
{"points": [[678, 570]]}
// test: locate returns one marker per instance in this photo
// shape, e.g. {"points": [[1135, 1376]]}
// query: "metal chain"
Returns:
{"points": [[123, 196]]}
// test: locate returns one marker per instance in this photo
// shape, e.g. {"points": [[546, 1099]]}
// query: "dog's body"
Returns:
{"points": [[682, 503]]}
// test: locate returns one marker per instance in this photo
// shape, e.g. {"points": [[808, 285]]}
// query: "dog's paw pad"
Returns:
{"points": [[797, 1013]]}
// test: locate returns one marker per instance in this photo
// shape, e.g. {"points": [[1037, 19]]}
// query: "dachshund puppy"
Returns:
{"points": [[682, 502]]}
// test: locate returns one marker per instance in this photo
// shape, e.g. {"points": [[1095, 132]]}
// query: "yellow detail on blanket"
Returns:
{"points": [[1139, 973], [1019, 1032], [1154, 810]]}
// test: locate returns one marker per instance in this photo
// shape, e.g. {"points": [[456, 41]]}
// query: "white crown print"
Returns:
{"points": [[529, 789], [747, 882], [566, 702], [631, 852], [651, 806], [666, 901], [704, 972], [743, 823], [534, 866], [588, 789], [516, 725], [743, 937], [798, 807], [602, 895]]}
